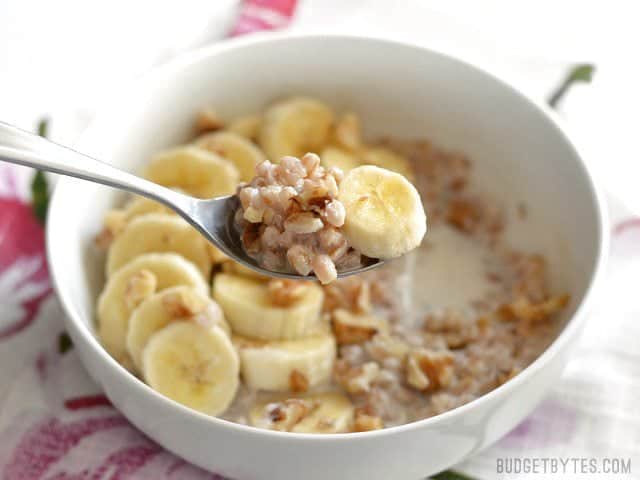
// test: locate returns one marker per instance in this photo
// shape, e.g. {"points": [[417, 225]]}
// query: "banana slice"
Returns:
{"points": [[290, 365], [333, 415], [180, 303], [248, 126], [217, 256], [385, 217], [337, 157], [250, 310], [294, 127], [329, 412], [119, 298], [117, 219], [138, 206], [155, 232], [238, 269], [384, 158], [193, 365], [236, 148], [195, 170]]}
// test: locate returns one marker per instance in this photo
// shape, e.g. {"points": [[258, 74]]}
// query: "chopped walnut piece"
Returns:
{"points": [[284, 292], [351, 293], [115, 221], [300, 257], [253, 214], [298, 382], [350, 328], [363, 421], [103, 239], [363, 298], [184, 303], [251, 238], [472, 215], [356, 380], [301, 223], [523, 309], [324, 268], [208, 120], [139, 286], [464, 214], [437, 366], [456, 328], [283, 416], [383, 346], [416, 377], [529, 272]]}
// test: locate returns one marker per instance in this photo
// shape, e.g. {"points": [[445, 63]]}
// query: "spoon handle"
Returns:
{"points": [[24, 148]]}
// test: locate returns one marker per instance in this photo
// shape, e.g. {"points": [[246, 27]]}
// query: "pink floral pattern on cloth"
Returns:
{"points": [[258, 15], [24, 280], [79, 435], [55, 423]]}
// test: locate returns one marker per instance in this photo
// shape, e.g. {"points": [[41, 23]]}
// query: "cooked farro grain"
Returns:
{"points": [[291, 218]]}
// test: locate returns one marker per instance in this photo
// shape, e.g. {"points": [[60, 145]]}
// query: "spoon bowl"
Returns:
{"points": [[214, 218]]}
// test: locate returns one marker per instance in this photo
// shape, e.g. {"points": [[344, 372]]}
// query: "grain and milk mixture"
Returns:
{"points": [[453, 319], [303, 234], [402, 355]]}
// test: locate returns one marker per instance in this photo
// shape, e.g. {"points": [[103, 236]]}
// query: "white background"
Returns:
{"points": [[65, 58]]}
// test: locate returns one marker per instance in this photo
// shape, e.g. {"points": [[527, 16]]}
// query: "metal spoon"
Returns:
{"points": [[214, 218]]}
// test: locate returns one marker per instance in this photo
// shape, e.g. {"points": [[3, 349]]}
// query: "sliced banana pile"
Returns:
{"points": [[280, 336], [157, 315], [130, 285], [286, 346]]}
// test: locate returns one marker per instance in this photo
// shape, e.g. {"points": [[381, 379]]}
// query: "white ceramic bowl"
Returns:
{"points": [[520, 154]]}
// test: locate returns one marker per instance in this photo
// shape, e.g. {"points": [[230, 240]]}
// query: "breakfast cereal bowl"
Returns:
{"points": [[520, 156]]}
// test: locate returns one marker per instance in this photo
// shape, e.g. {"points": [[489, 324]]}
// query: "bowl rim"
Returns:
{"points": [[80, 330]]}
